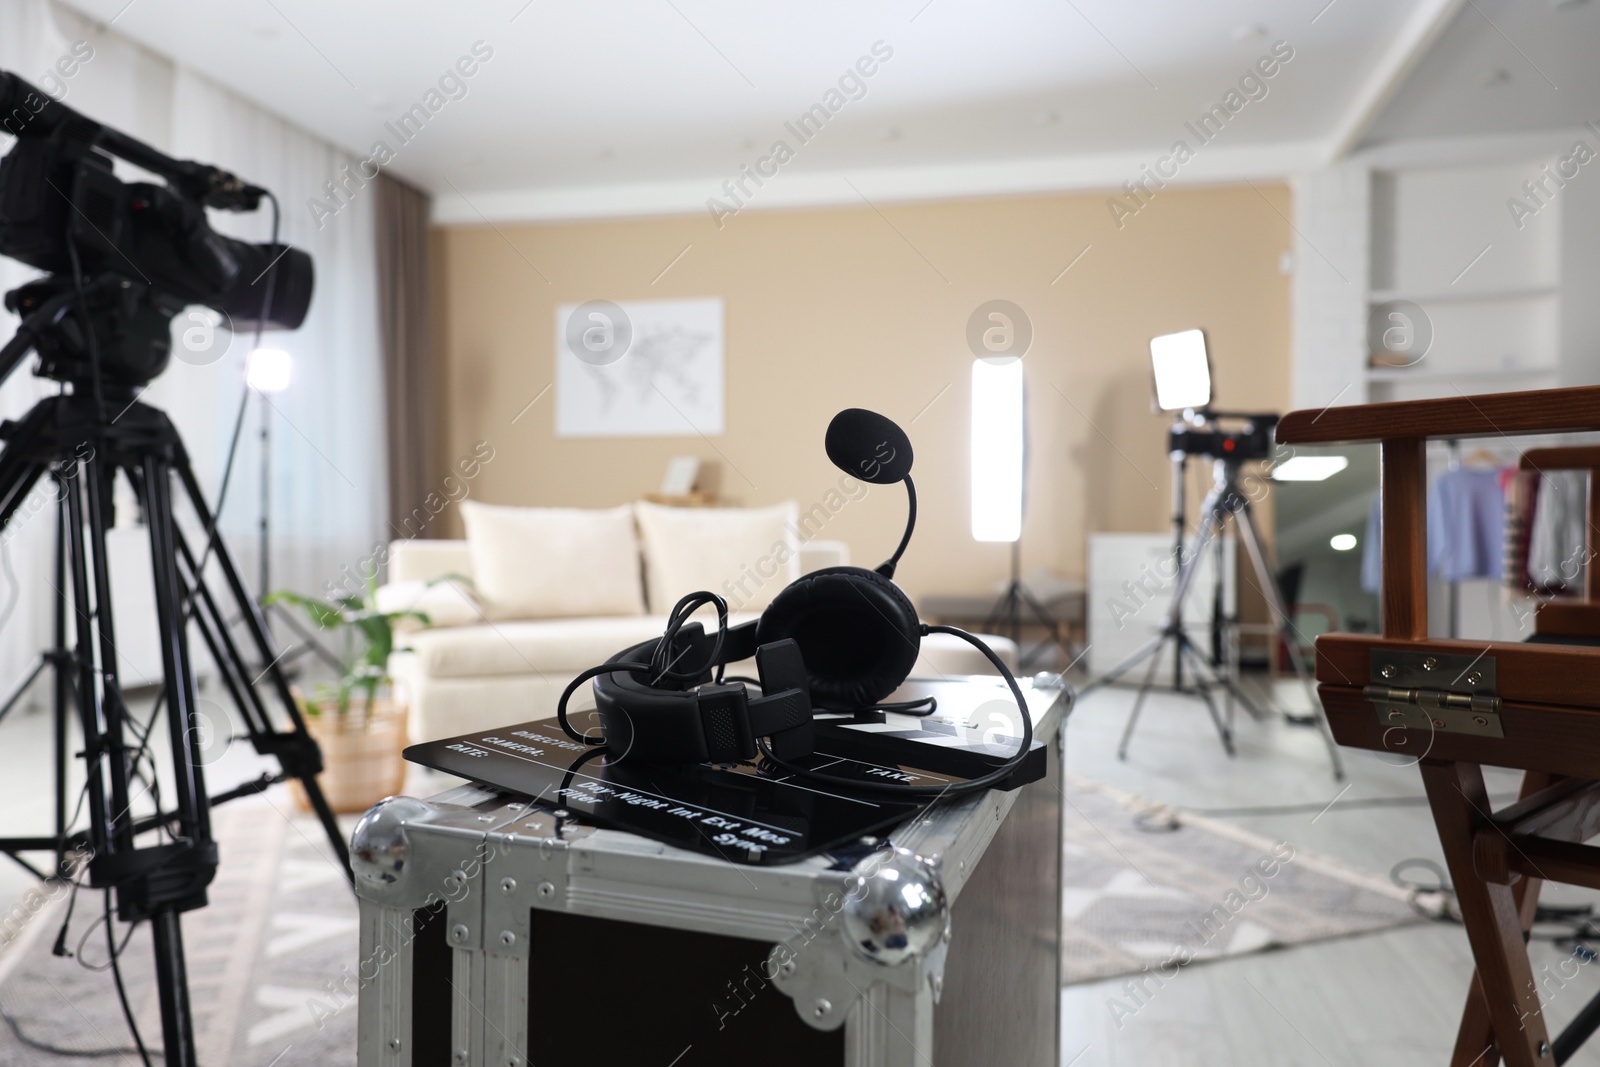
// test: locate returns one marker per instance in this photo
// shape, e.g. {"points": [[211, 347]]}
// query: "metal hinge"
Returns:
{"points": [[1434, 691]]}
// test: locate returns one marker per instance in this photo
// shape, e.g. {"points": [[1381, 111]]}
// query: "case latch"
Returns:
{"points": [[1435, 691]]}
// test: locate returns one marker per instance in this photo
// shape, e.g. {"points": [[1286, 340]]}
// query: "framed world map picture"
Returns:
{"points": [[648, 368]]}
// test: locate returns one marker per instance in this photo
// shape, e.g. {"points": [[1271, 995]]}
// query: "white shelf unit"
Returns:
{"points": [[1489, 290]]}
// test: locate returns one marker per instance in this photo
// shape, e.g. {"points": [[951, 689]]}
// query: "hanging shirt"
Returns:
{"points": [[1557, 538], [1466, 525], [1372, 547]]}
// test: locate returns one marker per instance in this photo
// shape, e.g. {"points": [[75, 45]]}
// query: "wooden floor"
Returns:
{"points": [[1374, 1000]]}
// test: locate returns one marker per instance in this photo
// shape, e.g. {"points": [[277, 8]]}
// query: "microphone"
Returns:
{"points": [[868, 446], [871, 447]]}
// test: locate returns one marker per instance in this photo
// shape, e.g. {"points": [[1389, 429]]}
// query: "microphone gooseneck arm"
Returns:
{"points": [[886, 568]]}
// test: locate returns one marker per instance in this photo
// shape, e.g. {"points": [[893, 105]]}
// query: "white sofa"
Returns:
{"points": [[482, 673]]}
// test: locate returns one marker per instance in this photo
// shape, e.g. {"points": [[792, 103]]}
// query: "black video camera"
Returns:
{"points": [[149, 248], [1253, 441]]}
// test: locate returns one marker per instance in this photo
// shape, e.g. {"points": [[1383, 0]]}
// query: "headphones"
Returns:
{"points": [[836, 640]]}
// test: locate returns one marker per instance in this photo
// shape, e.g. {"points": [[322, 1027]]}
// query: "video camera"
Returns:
{"points": [[1253, 441], [132, 254], [1182, 380]]}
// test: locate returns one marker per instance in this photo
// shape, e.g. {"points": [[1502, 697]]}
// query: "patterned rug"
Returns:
{"points": [[1139, 895], [268, 959]]}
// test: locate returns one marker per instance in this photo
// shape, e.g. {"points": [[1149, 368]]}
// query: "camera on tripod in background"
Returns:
{"points": [[1182, 371], [1183, 384]]}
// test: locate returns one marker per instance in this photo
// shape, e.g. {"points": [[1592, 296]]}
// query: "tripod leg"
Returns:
{"points": [[302, 760], [182, 724], [193, 807], [172, 980], [1280, 615], [224, 651], [1239, 696], [62, 680], [22, 688], [1149, 648], [1209, 529], [1199, 663], [106, 835], [1174, 617], [1138, 701], [20, 471], [1042, 616]]}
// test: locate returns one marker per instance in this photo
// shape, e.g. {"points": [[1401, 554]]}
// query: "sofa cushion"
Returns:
{"points": [[745, 554], [559, 648], [445, 602], [541, 563], [414, 559]]}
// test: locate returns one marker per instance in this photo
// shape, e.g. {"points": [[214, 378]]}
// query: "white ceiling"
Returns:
{"points": [[1502, 66], [618, 106]]}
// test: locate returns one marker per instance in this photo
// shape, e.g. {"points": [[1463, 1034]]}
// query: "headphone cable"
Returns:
{"points": [[954, 789]]}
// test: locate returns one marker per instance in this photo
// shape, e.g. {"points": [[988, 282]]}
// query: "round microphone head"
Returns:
{"points": [[868, 446]]}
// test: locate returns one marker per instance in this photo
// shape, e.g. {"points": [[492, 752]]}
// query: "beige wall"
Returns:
{"points": [[833, 309]]}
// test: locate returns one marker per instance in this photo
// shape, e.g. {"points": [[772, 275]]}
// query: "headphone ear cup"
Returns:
{"points": [[858, 634]]}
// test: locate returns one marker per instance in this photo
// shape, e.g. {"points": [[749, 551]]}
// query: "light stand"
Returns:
{"points": [[58, 660], [1225, 501], [267, 371], [1006, 615], [264, 533], [999, 465], [1182, 378]]}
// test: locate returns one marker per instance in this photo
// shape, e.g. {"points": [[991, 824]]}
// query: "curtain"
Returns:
{"points": [[407, 331], [322, 461], [29, 44]]}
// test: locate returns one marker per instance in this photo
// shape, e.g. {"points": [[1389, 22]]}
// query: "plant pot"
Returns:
{"points": [[361, 762]]}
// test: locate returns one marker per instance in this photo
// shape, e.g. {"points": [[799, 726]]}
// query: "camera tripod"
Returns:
{"points": [[69, 439], [1224, 501]]}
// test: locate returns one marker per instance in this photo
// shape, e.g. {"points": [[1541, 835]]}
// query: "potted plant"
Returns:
{"points": [[356, 721]]}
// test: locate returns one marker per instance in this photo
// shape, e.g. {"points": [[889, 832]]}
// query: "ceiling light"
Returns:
{"points": [[1342, 542], [1309, 468]]}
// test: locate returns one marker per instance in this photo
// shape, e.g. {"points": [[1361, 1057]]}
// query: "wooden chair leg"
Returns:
{"points": [[1475, 1038], [1492, 916]]}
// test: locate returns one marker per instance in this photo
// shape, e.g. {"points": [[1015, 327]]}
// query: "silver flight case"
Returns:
{"points": [[515, 938]]}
